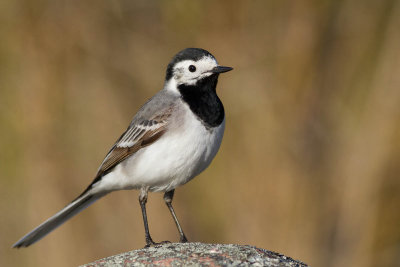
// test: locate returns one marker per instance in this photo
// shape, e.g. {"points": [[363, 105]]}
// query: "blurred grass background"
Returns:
{"points": [[309, 165]]}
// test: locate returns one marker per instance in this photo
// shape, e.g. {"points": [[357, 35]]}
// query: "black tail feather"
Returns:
{"points": [[53, 222]]}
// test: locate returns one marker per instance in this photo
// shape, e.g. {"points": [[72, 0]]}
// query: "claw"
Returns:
{"points": [[151, 243]]}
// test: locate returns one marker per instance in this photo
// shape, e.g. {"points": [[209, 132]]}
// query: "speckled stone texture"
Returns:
{"points": [[198, 254]]}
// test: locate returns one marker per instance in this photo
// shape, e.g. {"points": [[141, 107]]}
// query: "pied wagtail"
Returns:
{"points": [[173, 138]]}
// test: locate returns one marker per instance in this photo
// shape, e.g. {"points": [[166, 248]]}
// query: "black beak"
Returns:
{"points": [[221, 69]]}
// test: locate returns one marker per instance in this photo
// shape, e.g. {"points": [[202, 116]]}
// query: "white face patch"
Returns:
{"points": [[203, 67]]}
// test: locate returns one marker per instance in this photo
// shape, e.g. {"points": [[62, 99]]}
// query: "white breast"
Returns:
{"points": [[184, 151]]}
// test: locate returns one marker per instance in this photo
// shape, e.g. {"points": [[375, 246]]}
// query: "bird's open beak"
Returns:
{"points": [[221, 69]]}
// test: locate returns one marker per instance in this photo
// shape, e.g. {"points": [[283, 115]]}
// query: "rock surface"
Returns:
{"points": [[198, 254]]}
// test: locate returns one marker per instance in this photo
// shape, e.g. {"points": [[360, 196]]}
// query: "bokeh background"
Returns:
{"points": [[309, 165]]}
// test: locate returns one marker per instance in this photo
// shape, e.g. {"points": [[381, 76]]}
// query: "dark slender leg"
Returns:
{"points": [[168, 196], [143, 201]]}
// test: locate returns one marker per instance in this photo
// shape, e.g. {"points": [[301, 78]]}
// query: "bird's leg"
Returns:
{"points": [[168, 196], [143, 201]]}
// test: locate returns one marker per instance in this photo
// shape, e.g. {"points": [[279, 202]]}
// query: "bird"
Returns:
{"points": [[172, 138]]}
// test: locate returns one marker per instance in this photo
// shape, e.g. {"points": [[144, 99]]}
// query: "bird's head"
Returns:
{"points": [[192, 65]]}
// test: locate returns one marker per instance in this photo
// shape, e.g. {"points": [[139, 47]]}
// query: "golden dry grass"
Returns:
{"points": [[309, 165]]}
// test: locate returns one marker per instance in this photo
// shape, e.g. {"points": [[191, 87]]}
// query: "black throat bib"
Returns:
{"points": [[203, 100]]}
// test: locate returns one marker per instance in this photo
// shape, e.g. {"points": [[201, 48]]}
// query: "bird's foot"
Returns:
{"points": [[183, 239], [151, 243]]}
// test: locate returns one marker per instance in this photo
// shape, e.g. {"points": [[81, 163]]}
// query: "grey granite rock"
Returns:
{"points": [[198, 254]]}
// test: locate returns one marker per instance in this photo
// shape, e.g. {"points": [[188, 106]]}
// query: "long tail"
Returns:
{"points": [[76, 206]]}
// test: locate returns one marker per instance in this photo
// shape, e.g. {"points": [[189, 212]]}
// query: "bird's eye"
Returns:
{"points": [[192, 68]]}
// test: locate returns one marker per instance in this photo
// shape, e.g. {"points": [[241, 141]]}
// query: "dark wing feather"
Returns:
{"points": [[119, 153], [140, 134]]}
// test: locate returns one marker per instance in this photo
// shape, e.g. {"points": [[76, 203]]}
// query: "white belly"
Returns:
{"points": [[173, 160]]}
